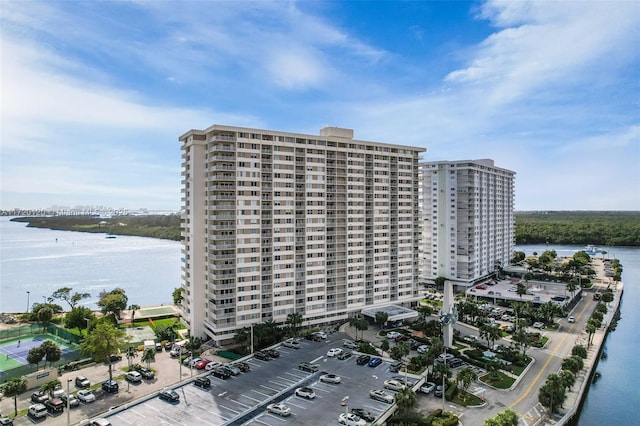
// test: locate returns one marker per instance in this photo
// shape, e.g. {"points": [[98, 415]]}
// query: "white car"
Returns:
{"points": [[351, 419], [422, 349], [428, 387], [305, 392], [213, 364], [380, 395], [539, 325], [194, 361], [58, 392], [444, 357], [321, 334], [392, 335], [393, 384], [330, 378], [86, 396], [291, 343], [279, 409], [334, 352], [133, 377], [571, 319]]}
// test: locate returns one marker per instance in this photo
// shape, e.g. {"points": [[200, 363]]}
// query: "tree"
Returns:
{"points": [[359, 324], [574, 364], [131, 354], [521, 290], [400, 350], [49, 387], [490, 334], [51, 351], [178, 295], [424, 312], [518, 256], [465, 377], [148, 355], [441, 370], [568, 378], [522, 339], [242, 337], [64, 294], [553, 393], [579, 350], [133, 309], [166, 332], [44, 316], [607, 297], [572, 286], [590, 328], [385, 346], [504, 418], [439, 282], [14, 387], [114, 301], [381, 318], [406, 398], [35, 355], [294, 320], [104, 340], [77, 318]]}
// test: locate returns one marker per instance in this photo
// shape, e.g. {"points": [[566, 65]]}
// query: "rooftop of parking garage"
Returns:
{"points": [[394, 312], [538, 292]]}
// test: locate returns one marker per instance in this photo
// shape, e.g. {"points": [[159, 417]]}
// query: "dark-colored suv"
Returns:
{"points": [[39, 397], [308, 367], [202, 382], [363, 359], [54, 405], [110, 386], [221, 373]]}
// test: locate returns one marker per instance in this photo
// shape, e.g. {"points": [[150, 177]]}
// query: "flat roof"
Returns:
{"points": [[395, 312]]}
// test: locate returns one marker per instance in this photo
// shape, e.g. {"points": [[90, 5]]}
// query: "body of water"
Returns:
{"points": [[40, 261], [613, 398]]}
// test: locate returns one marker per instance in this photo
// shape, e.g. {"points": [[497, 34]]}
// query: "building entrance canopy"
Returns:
{"points": [[395, 313]]}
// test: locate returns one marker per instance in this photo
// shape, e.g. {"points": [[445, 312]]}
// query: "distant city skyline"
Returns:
{"points": [[96, 94]]}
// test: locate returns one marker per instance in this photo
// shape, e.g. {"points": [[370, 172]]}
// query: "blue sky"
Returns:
{"points": [[95, 94]]}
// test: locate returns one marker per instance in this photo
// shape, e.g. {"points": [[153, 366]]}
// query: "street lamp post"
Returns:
{"points": [[28, 294], [345, 402], [444, 376], [251, 339], [88, 321], [68, 404]]}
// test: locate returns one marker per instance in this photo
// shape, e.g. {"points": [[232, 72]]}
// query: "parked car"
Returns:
{"points": [[73, 401], [194, 362], [262, 356], [133, 377], [350, 344], [202, 364], [333, 352], [82, 382], [86, 396], [39, 397], [394, 385], [321, 334], [363, 359], [210, 366], [374, 362], [115, 357], [571, 319], [158, 347], [243, 366], [428, 387], [37, 411], [202, 382], [539, 325], [234, 370], [455, 362], [444, 357], [405, 380], [330, 378], [58, 391], [344, 355], [422, 349], [168, 346], [392, 335], [439, 391], [169, 395], [272, 353], [305, 392], [54, 405], [291, 343], [396, 366], [6, 421], [363, 414], [101, 422], [351, 419], [380, 395], [308, 367], [279, 409], [146, 373], [110, 386], [221, 373]]}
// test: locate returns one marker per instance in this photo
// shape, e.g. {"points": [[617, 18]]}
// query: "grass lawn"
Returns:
{"points": [[499, 380], [158, 322], [469, 401]]}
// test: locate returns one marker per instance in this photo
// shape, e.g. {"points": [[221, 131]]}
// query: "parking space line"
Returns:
{"points": [[229, 408], [296, 405], [284, 385], [286, 379], [261, 393], [317, 359], [322, 390], [271, 389], [253, 399]]}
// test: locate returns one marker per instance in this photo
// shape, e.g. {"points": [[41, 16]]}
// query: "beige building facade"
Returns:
{"points": [[277, 223]]}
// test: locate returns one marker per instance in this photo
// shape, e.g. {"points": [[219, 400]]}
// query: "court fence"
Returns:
{"points": [[37, 328]]}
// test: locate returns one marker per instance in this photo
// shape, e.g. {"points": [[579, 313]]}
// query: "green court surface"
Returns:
{"points": [[13, 352]]}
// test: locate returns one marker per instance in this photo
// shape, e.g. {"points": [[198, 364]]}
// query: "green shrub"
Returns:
{"points": [[451, 391]]}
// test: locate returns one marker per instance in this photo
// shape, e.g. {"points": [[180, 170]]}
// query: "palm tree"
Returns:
{"points": [[148, 355], [568, 379], [51, 351], [465, 377], [131, 353], [243, 336], [133, 309], [490, 334], [14, 387], [294, 320], [49, 387], [406, 399], [590, 328], [440, 371], [381, 318], [553, 393]]}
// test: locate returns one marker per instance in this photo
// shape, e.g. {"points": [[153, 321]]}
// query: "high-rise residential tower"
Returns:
{"points": [[467, 220], [277, 223]]}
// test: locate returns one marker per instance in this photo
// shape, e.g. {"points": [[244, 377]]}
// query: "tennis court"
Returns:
{"points": [[13, 352]]}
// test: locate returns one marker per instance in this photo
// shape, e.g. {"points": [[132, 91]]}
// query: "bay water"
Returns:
{"points": [[40, 261]]}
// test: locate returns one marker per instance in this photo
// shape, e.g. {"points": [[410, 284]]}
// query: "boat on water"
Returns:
{"points": [[591, 250], [110, 236]]}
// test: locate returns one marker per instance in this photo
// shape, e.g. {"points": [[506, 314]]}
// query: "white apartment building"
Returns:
{"points": [[467, 220], [276, 223]]}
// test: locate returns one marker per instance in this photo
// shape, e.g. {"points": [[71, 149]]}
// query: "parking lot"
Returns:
{"points": [[242, 399]]}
